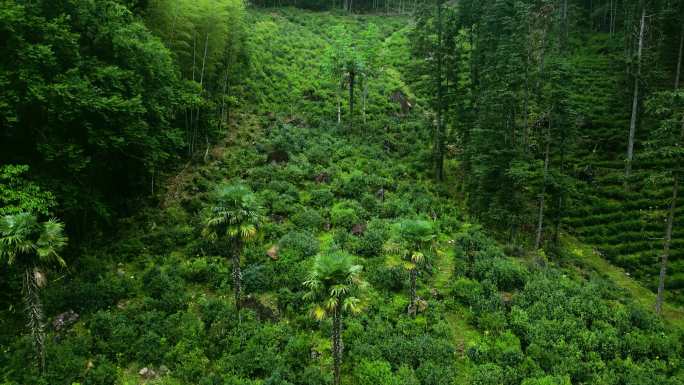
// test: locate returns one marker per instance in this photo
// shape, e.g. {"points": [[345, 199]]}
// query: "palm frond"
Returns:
{"points": [[331, 303], [417, 257], [51, 241], [318, 313], [339, 290], [352, 305], [22, 235]]}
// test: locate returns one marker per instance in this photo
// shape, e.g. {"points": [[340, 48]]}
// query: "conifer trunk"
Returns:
{"points": [[364, 96], [540, 220], [666, 248], [670, 217], [559, 207], [635, 99], [352, 80], [679, 58], [197, 114], [439, 134]]}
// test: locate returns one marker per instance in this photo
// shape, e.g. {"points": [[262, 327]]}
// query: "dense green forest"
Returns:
{"points": [[349, 192]]}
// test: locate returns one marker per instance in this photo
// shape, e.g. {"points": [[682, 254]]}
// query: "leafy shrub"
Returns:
{"points": [[505, 273], [322, 197], [308, 219], [257, 278], [166, 291], [396, 206], [547, 380], [488, 374], [297, 245], [356, 184], [371, 242], [373, 373], [345, 214]]}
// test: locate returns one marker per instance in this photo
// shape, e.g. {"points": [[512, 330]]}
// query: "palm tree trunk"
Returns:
{"points": [[34, 312], [337, 342], [237, 276], [412, 304]]}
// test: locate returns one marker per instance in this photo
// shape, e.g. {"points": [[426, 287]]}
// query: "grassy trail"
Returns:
{"points": [[588, 257], [463, 334]]}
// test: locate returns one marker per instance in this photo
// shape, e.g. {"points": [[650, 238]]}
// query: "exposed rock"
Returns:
{"points": [[273, 252], [401, 98], [147, 373], [40, 278], [121, 305], [278, 156], [359, 229], [164, 370], [64, 320], [323, 177], [422, 305], [311, 95], [265, 309]]}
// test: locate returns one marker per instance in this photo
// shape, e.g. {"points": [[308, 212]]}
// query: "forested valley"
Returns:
{"points": [[370, 192]]}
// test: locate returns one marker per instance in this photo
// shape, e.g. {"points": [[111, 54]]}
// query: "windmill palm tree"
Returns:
{"points": [[411, 240], [32, 246], [334, 283], [236, 218]]}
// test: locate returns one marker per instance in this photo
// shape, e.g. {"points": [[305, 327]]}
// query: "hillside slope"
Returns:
{"points": [[157, 294]]}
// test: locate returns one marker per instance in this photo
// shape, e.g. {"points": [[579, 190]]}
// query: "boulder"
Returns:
{"points": [[401, 98], [147, 373], [273, 252], [64, 320], [358, 229], [278, 156], [322, 178]]}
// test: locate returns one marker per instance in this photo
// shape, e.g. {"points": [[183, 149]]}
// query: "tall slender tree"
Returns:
{"points": [[635, 96], [334, 287], [411, 241], [667, 144], [33, 246], [235, 217]]}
